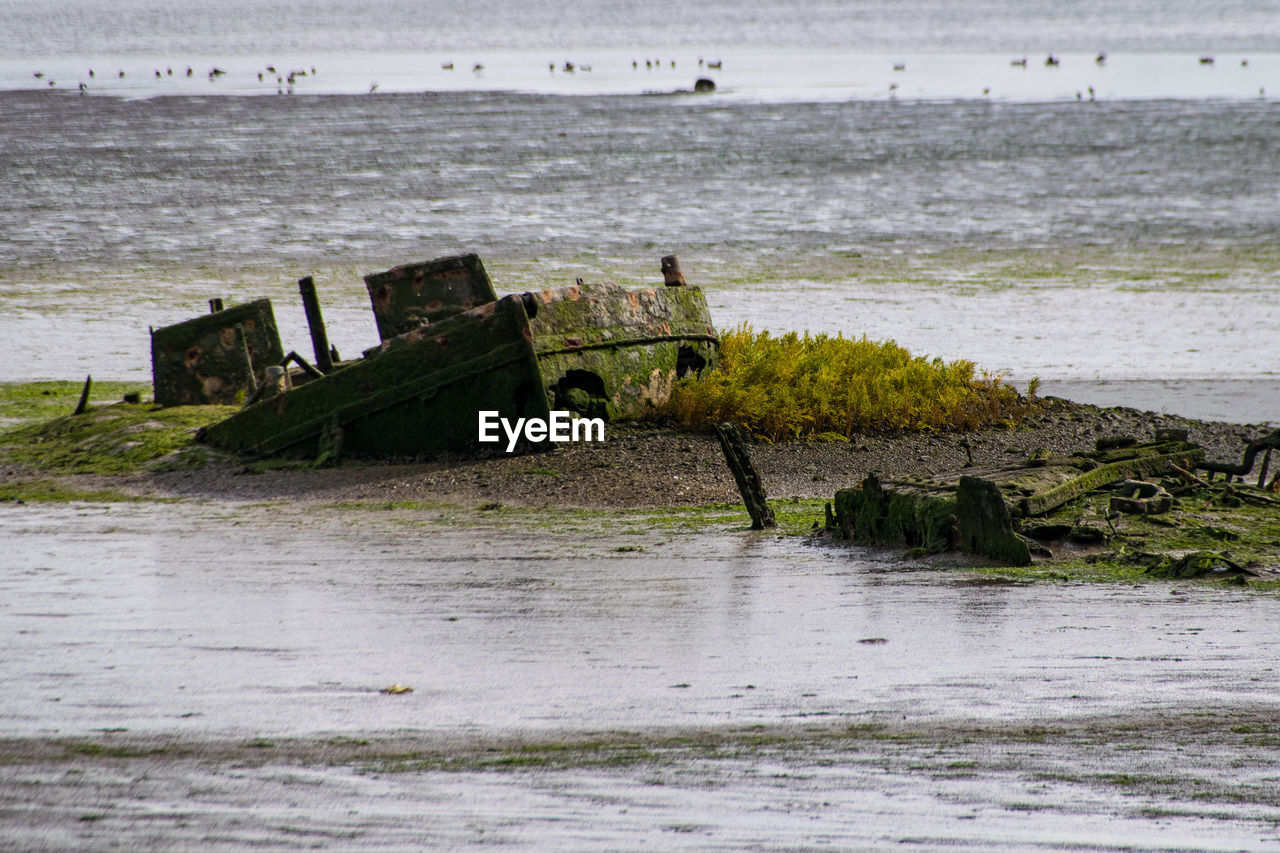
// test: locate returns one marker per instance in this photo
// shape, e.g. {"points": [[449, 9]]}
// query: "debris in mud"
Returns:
{"points": [[1083, 501], [396, 690]]}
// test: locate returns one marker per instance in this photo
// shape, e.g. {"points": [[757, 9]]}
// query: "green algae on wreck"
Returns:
{"points": [[975, 510], [596, 349]]}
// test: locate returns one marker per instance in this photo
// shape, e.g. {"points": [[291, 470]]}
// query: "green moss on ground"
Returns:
{"points": [[48, 491], [25, 402], [795, 517], [109, 439]]}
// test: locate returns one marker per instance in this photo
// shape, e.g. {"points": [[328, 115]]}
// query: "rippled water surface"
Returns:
{"points": [[127, 213]]}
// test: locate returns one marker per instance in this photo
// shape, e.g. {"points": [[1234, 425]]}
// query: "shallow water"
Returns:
{"points": [[145, 618], [192, 624], [246, 27], [248, 181]]}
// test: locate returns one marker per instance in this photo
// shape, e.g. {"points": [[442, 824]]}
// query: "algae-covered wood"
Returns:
{"points": [[977, 510], [205, 360], [611, 352], [418, 395], [410, 295]]}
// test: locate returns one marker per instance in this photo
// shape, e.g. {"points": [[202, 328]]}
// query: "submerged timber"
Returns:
{"points": [[1006, 512]]}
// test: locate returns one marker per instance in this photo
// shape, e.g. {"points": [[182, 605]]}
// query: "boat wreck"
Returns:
{"points": [[450, 349], [993, 512]]}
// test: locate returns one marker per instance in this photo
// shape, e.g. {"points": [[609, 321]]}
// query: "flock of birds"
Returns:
{"points": [[285, 81], [1051, 61]]}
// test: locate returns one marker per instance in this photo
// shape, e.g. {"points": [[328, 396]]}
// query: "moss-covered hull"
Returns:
{"points": [[420, 397], [615, 353], [599, 349], [206, 360]]}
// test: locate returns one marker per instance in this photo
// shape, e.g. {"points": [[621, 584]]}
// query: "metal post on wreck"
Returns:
{"points": [[672, 275], [315, 321]]}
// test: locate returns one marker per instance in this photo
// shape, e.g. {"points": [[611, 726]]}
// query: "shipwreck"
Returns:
{"points": [[450, 348], [1009, 512]]}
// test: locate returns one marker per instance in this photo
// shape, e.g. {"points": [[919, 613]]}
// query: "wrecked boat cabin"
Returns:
{"points": [[450, 348]]}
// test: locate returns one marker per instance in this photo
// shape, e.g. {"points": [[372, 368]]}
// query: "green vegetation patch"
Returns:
{"points": [[23, 402], [112, 439], [790, 386]]}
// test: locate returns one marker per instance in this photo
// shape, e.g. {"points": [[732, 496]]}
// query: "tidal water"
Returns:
{"points": [[840, 130]]}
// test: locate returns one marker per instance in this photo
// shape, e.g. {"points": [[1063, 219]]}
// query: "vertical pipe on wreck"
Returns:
{"points": [[672, 275], [315, 321], [242, 343]]}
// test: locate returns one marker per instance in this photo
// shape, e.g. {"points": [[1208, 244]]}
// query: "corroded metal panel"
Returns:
{"points": [[416, 395], [608, 351], [413, 294], [203, 360]]}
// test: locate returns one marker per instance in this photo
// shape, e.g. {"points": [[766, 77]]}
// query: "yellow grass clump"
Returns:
{"points": [[791, 386]]}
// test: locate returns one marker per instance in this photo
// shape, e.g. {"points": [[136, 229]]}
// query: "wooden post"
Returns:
{"points": [[315, 321], [671, 273], [1266, 463], [83, 405], [735, 454]]}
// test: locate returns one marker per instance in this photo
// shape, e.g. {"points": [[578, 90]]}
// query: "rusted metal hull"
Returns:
{"points": [[610, 352], [600, 350], [408, 296], [206, 360]]}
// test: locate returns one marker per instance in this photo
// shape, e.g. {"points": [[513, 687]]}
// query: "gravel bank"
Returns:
{"points": [[649, 465]]}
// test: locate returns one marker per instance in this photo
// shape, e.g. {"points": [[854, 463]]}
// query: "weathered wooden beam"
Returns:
{"points": [[733, 444], [83, 405]]}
